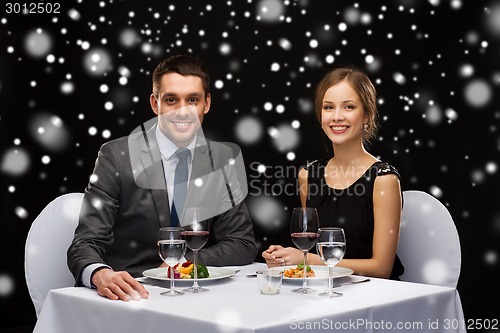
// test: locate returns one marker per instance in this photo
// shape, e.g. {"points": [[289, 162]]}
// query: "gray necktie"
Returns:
{"points": [[180, 185]]}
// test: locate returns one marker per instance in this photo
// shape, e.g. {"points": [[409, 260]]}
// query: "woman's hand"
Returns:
{"points": [[277, 255]]}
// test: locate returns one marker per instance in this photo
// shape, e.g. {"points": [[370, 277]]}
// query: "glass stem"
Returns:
{"points": [[330, 280], [195, 262], [171, 268], [304, 281]]}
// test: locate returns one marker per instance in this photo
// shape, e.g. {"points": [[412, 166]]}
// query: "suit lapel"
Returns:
{"points": [[153, 167], [201, 168], [201, 162]]}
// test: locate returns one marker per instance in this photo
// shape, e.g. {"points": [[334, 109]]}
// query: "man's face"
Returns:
{"points": [[180, 105]]}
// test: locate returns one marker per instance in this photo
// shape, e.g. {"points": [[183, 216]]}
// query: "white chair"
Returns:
{"points": [[429, 246], [46, 245]]}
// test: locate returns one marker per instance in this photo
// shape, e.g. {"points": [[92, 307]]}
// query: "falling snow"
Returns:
{"points": [[249, 130], [38, 43], [478, 93], [6, 285], [15, 162], [69, 83]]}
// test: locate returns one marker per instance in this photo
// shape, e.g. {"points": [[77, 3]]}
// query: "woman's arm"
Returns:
{"points": [[303, 186], [387, 216], [277, 255]]}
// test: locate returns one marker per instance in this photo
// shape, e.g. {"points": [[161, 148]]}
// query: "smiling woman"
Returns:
{"points": [[358, 94], [357, 192], [342, 117]]}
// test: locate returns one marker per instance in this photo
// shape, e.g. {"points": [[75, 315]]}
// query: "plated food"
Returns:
{"points": [[294, 275], [298, 272], [186, 271], [215, 273]]}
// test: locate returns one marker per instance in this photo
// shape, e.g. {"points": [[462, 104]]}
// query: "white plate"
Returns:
{"points": [[215, 273], [320, 271]]}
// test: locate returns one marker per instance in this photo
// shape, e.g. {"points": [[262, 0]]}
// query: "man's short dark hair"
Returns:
{"points": [[183, 65]]}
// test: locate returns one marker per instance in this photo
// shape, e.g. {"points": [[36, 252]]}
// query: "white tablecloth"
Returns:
{"points": [[235, 305]]}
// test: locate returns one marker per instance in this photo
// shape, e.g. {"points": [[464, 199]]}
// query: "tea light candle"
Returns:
{"points": [[269, 290]]}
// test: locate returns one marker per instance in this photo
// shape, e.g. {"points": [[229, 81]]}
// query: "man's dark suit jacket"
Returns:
{"points": [[126, 203]]}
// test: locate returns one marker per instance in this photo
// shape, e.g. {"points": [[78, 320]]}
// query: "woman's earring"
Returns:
{"points": [[365, 126]]}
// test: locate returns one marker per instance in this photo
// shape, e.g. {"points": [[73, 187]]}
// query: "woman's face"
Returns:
{"points": [[342, 115]]}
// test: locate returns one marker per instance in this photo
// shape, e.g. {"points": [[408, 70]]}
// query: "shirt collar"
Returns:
{"points": [[168, 148]]}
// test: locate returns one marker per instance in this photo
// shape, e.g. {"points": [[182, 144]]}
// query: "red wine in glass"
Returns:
{"points": [[304, 232], [305, 240], [196, 232], [195, 239]]}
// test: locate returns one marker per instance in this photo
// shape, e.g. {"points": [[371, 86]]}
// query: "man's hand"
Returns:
{"points": [[118, 285]]}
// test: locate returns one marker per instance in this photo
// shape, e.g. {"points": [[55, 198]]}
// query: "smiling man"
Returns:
{"points": [[180, 99], [133, 189]]}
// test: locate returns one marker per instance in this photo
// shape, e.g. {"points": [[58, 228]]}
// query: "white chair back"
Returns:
{"points": [[429, 246], [50, 235]]}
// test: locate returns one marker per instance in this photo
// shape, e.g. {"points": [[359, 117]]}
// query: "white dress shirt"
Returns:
{"points": [[170, 160]]}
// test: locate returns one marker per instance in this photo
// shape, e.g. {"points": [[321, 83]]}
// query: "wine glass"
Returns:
{"points": [[195, 234], [304, 232], [331, 249], [171, 248]]}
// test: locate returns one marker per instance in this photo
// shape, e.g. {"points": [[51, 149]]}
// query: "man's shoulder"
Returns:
{"points": [[222, 153], [117, 144], [125, 141], [223, 148], [218, 146]]}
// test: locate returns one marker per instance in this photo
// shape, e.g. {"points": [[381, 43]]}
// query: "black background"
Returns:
{"points": [[428, 42]]}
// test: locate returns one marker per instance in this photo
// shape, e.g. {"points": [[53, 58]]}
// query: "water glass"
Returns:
{"points": [[270, 281]]}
